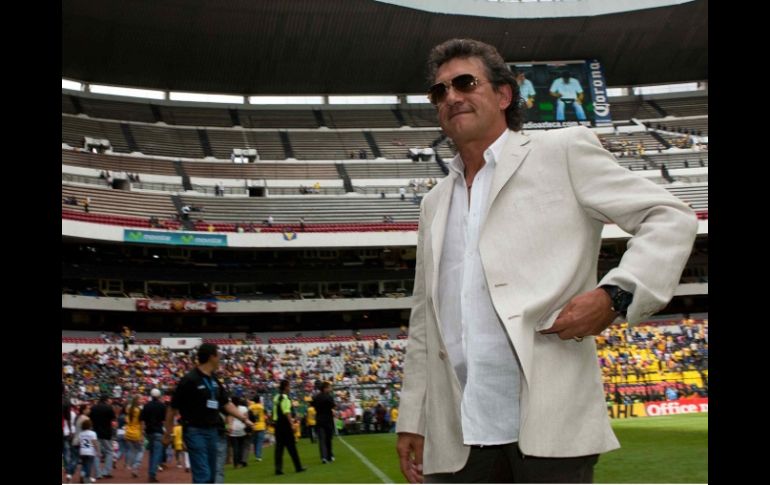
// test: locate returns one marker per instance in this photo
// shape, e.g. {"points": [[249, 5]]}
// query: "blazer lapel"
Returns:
{"points": [[514, 152], [438, 230]]}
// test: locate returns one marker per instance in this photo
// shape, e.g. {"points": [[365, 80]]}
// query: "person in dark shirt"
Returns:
{"points": [[199, 396], [284, 431], [367, 418], [324, 404], [152, 415], [102, 416], [379, 415]]}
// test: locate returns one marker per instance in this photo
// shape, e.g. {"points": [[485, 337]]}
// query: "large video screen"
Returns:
{"points": [[557, 94]]}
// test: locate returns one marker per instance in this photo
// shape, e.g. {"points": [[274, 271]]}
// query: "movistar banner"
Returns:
{"points": [[174, 238]]}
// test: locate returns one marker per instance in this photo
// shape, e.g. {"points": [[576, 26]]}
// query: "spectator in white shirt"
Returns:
{"points": [[567, 90]]}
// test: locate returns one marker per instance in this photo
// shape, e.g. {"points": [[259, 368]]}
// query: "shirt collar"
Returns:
{"points": [[491, 154]]}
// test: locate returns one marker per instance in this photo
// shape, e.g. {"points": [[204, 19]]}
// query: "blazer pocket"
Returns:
{"points": [[547, 322]]}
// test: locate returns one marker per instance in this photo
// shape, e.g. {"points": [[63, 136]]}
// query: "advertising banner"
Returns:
{"points": [[180, 343], [174, 238], [557, 94], [659, 408], [176, 306]]}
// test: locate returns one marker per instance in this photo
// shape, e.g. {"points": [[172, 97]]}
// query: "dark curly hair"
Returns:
{"points": [[497, 72]]}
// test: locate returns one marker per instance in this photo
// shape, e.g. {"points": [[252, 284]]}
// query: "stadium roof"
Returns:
{"points": [[254, 47]]}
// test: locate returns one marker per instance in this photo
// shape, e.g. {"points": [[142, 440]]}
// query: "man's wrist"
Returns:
{"points": [[620, 299]]}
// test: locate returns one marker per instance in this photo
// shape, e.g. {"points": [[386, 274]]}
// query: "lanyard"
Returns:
{"points": [[210, 387]]}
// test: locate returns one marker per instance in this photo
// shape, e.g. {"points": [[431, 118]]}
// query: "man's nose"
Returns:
{"points": [[453, 96]]}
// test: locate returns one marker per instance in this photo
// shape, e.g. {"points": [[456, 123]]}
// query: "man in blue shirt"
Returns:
{"points": [[567, 90]]}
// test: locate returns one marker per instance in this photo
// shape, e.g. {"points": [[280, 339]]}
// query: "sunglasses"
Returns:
{"points": [[464, 83]]}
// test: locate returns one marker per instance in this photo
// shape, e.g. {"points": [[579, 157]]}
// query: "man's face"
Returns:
{"points": [[215, 361], [475, 115]]}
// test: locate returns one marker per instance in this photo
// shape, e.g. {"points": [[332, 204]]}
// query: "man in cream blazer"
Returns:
{"points": [[545, 198]]}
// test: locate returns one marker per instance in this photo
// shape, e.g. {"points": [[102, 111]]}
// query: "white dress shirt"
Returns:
{"points": [[568, 90], [478, 346]]}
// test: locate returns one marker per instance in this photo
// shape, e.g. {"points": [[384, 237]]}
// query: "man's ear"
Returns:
{"points": [[504, 96]]}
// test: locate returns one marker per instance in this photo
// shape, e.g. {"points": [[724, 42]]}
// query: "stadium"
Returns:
{"points": [[250, 174]]}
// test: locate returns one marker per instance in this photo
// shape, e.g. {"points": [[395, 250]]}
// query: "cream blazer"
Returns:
{"points": [[551, 195]]}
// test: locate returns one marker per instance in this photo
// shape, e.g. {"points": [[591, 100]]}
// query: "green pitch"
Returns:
{"points": [[668, 449], [665, 449]]}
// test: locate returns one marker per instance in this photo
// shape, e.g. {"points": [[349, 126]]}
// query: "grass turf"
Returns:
{"points": [[666, 449]]}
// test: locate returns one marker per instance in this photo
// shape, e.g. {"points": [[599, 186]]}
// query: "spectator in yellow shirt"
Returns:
{"points": [[393, 419], [179, 449], [311, 422], [295, 427], [258, 417]]}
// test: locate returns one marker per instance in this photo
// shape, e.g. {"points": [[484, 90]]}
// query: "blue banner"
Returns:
{"points": [[174, 238]]}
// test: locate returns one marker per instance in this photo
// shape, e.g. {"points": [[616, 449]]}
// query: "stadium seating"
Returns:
{"points": [[638, 360]]}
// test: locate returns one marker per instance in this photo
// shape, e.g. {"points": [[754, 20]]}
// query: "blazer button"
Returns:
{"points": [[442, 355]]}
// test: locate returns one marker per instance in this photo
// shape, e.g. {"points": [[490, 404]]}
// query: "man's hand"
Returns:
{"points": [[409, 448], [586, 314], [166, 440]]}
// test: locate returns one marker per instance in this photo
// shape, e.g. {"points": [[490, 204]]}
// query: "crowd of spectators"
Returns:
{"points": [[654, 362], [641, 362]]}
